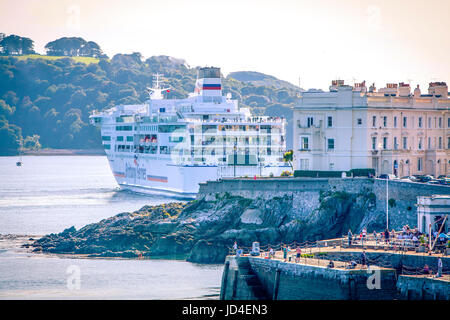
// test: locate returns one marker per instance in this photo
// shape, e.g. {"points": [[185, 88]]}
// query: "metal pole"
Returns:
{"points": [[235, 158], [387, 203], [429, 237]]}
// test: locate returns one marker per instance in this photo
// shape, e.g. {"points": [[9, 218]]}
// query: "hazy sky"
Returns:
{"points": [[373, 40]]}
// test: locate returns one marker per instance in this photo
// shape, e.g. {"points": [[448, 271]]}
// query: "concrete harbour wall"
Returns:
{"points": [[251, 278], [305, 193], [288, 281]]}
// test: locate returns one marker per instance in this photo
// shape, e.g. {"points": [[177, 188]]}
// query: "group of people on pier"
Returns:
{"points": [[407, 237]]}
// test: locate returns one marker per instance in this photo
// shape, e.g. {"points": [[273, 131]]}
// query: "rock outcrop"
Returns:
{"points": [[203, 231]]}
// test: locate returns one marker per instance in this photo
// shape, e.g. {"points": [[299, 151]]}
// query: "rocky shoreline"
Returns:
{"points": [[203, 231]]}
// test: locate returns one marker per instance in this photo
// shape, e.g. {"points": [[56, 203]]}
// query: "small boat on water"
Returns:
{"points": [[19, 163]]}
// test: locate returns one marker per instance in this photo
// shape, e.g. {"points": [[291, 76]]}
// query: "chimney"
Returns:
{"points": [[417, 92], [404, 90], [438, 89]]}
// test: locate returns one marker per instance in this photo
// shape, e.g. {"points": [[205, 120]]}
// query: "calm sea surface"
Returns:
{"points": [[50, 193]]}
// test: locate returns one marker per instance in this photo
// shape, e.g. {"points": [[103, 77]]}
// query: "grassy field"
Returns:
{"points": [[86, 60]]}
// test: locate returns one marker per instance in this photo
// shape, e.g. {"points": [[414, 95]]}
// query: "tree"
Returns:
{"points": [[65, 46], [73, 47], [92, 49], [289, 157], [10, 135], [15, 45], [5, 109], [32, 143]]}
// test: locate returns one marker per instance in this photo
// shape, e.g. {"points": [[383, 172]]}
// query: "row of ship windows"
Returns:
{"points": [[118, 138], [197, 151], [204, 129], [220, 140]]}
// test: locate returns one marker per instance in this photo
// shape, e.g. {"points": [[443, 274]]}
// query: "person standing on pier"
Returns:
{"points": [[350, 236], [299, 254], [363, 236], [439, 273], [285, 252], [363, 258], [386, 235]]}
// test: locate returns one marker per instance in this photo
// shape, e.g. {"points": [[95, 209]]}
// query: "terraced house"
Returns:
{"points": [[392, 130]]}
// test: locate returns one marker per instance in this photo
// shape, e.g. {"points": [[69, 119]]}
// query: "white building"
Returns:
{"points": [[390, 130], [432, 211]]}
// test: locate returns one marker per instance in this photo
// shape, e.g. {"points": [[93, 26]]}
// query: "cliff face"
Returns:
{"points": [[203, 230]]}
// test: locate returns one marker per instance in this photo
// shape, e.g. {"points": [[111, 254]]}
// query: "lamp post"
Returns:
{"points": [[380, 146], [235, 158], [387, 202]]}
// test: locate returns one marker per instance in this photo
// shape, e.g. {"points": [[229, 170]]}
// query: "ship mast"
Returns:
{"points": [[155, 93]]}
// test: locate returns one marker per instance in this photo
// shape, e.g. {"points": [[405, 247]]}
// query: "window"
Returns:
{"points": [[374, 121], [124, 128], [440, 122], [405, 143], [330, 144], [420, 143], [330, 121], [120, 138], [374, 143], [405, 122], [359, 121], [162, 109], [106, 138], [385, 121], [429, 122], [395, 143], [304, 143], [310, 121], [130, 138], [420, 122], [440, 142], [448, 122], [304, 164], [429, 143], [419, 164], [395, 122], [384, 143], [448, 143]]}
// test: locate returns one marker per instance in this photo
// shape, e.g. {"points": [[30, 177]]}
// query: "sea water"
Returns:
{"points": [[50, 193]]}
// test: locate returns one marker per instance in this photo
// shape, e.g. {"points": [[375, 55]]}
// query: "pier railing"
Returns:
{"points": [[316, 253]]}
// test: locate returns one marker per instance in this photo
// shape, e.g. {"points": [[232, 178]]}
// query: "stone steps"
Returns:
{"points": [[251, 279]]}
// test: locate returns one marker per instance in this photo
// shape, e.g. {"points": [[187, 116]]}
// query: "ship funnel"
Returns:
{"points": [[208, 82]]}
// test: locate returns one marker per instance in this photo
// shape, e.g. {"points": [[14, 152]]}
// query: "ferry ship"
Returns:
{"points": [[172, 145]]}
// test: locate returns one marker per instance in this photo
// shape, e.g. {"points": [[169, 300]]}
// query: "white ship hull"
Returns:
{"points": [[154, 174]]}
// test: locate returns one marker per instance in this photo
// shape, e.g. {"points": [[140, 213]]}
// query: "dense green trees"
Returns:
{"points": [[47, 102], [74, 47], [14, 45], [10, 136]]}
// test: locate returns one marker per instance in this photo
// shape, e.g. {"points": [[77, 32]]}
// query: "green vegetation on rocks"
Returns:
{"points": [[204, 231]]}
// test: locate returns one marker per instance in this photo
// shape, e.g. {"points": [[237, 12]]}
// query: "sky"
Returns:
{"points": [[306, 42]]}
